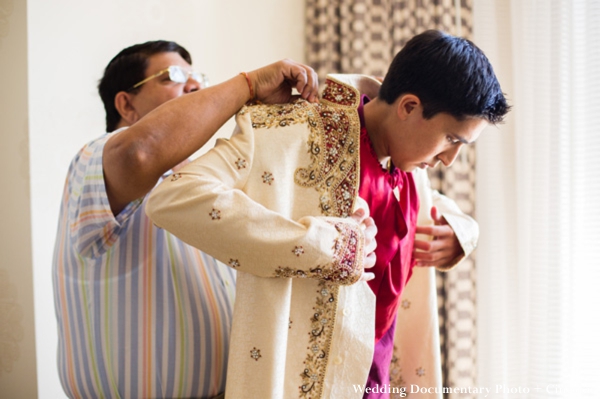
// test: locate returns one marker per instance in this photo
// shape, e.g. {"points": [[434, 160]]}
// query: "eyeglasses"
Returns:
{"points": [[178, 75]]}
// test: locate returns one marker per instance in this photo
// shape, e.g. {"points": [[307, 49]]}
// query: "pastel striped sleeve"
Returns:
{"points": [[93, 227]]}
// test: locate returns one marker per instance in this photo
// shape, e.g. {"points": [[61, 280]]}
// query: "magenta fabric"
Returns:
{"points": [[396, 223], [379, 375]]}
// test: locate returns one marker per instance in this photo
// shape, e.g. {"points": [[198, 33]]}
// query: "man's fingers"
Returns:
{"points": [[309, 86], [425, 245], [435, 215], [359, 215], [303, 78], [370, 260], [313, 82], [432, 257], [435, 231], [274, 82], [370, 231], [437, 263]]}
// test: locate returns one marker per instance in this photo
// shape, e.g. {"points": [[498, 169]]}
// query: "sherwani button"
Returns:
{"points": [[346, 312]]}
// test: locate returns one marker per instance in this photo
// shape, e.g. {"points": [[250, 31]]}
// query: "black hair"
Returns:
{"points": [[126, 69], [449, 74]]}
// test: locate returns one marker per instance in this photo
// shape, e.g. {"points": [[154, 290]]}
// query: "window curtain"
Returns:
{"points": [[538, 179], [362, 36]]}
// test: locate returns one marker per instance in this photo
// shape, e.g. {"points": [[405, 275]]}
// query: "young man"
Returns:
{"points": [[140, 313], [268, 200]]}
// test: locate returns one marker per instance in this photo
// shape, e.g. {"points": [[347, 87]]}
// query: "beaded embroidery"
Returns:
{"points": [[347, 248], [396, 379], [322, 323], [341, 94], [298, 251], [240, 163], [280, 115], [268, 178], [255, 354], [333, 143], [333, 146], [215, 214], [175, 176]]}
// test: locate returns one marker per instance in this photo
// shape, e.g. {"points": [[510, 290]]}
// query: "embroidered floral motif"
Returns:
{"points": [[347, 248], [333, 144], [287, 272], [234, 263], [405, 304], [298, 251], [341, 94], [396, 379], [420, 371], [268, 178], [255, 354], [268, 116], [320, 335], [240, 163], [176, 176], [215, 214]]}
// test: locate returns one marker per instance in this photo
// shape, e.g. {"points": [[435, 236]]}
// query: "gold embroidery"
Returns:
{"points": [[341, 94], [396, 379], [406, 304], [234, 263], [333, 144], [280, 115], [420, 371], [319, 342], [347, 252], [333, 147], [175, 176], [334, 131]]}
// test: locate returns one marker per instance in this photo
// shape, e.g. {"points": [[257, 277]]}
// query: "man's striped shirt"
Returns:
{"points": [[140, 313]]}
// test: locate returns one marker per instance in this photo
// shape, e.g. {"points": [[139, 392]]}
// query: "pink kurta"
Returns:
{"points": [[395, 216], [394, 205]]}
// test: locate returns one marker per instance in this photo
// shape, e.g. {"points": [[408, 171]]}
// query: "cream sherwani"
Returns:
{"points": [[272, 202]]}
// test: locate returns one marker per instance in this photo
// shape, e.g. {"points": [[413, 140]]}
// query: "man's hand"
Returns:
{"points": [[445, 246], [273, 84], [370, 230]]}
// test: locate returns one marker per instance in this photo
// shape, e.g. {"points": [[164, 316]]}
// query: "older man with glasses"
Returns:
{"points": [[140, 313]]}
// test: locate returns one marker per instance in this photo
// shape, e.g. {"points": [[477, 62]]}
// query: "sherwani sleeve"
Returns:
{"points": [[207, 205], [464, 226]]}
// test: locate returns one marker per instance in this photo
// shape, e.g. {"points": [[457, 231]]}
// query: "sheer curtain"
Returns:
{"points": [[538, 199]]}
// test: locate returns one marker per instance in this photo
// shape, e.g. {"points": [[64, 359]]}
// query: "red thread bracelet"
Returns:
{"points": [[249, 85]]}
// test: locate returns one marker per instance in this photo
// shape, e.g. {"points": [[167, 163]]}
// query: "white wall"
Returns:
{"points": [[17, 334], [70, 43]]}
